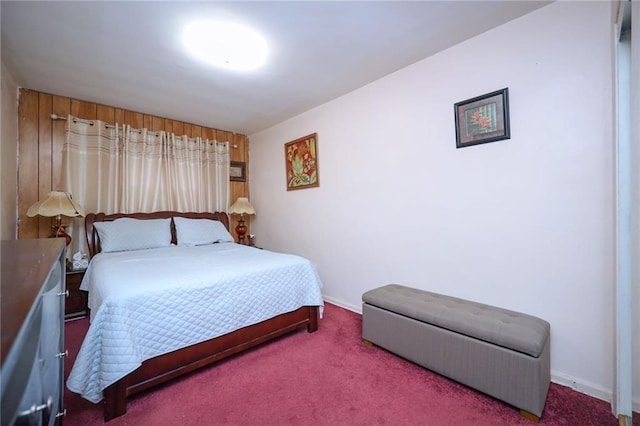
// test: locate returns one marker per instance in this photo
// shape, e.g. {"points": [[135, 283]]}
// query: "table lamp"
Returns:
{"points": [[57, 204], [242, 206]]}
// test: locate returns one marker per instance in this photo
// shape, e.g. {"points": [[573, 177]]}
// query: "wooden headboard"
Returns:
{"points": [[93, 240]]}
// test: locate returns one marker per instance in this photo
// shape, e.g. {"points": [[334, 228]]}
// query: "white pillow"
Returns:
{"points": [[197, 232], [133, 234]]}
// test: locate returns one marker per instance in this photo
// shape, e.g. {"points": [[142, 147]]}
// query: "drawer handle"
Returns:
{"points": [[65, 353], [62, 414], [64, 293], [36, 408]]}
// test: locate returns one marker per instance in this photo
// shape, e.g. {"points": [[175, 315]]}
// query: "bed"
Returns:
{"points": [[158, 312]]}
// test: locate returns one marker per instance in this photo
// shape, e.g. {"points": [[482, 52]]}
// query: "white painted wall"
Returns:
{"points": [[8, 155], [525, 224]]}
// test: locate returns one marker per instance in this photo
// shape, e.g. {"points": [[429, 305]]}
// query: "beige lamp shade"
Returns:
{"points": [[242, 206], [58, 203]]}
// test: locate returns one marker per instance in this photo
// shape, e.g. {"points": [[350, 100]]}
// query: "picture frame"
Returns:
{"points": [[482, 119], [237, 171], [301, 161]]}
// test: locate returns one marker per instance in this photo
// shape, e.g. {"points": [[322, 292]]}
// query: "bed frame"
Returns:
{"points": [[177, 363]]}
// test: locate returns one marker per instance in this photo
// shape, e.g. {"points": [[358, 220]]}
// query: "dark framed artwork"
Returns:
{"points": [[237, 171], [482, 119], [301, 160]]}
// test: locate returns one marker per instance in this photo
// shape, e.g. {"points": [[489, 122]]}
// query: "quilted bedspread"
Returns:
{"points": [[150, 302]]}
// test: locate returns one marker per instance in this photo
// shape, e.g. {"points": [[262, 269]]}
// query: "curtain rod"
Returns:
{"points": [[110, 126]]}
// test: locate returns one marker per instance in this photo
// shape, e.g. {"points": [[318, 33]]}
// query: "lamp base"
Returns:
{"points": [[58, 231], [241, 230]]}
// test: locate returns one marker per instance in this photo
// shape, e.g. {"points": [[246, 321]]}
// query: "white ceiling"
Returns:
{"points": [[129, 54]]}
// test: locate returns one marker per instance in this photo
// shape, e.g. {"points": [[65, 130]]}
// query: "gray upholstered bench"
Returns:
{"points": [[502, 353]]}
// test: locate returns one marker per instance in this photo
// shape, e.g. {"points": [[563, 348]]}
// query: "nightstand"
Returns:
{"points": [[76, 303]]}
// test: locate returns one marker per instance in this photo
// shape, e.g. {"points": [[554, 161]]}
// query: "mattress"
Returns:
{"points": [[150, 302]]}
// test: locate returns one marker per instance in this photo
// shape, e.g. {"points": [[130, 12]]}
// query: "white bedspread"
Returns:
{"points": [[150, 302]]}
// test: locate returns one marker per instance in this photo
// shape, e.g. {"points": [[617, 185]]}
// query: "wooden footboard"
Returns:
{"points": [[166, 367]]}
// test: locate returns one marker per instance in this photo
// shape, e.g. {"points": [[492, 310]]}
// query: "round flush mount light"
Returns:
{"points": [[225, 45]]}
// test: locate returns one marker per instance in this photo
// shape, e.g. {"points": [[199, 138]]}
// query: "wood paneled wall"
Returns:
{"points": [[40, 141]]}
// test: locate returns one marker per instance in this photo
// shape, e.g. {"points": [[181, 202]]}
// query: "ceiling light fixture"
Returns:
{"points": [[225, 45]]}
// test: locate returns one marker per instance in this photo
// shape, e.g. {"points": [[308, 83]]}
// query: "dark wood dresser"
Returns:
{"points": [[32, 327]]}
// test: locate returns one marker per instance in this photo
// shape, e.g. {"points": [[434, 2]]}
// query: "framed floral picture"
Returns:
{"points": [[301, 159], [482, 119]]}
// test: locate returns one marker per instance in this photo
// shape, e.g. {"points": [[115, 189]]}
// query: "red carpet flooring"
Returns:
{"points": [[326, 378]]}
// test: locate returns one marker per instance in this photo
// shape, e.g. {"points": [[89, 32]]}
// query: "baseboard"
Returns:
{"points": [[356, 309], [588, 388], [581, 386]]}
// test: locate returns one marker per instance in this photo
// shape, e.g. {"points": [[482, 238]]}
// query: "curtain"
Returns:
{"points": [[119, 169], [192, 162]]}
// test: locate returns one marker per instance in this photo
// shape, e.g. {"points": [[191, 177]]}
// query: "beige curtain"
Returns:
{"points": [[119, 169], [192, 162]]}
